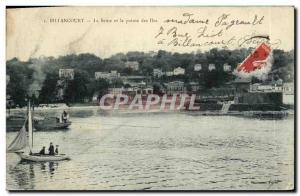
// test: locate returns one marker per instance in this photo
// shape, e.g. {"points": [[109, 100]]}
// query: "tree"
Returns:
{"points": [[17, 87], [100, 87], [77, 90], [127, 71], [48, 91]]}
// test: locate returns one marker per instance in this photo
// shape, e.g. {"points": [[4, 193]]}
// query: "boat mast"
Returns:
{"points": [[30, 128]]}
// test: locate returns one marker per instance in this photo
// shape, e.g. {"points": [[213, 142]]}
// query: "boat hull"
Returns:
{"points": [[42, 158], [44, 126], [15, 123], [268, 115]]}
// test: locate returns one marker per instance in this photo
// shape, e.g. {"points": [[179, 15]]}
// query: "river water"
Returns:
{"points": [[162, 152]]}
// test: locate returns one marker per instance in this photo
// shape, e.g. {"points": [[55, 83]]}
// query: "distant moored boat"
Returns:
{"points": [[51, 123]]}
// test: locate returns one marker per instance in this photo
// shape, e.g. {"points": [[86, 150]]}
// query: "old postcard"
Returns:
{"points": [[150, 98]]}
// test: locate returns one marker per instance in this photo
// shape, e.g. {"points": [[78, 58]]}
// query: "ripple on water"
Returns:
{"points": [[179, 152]]}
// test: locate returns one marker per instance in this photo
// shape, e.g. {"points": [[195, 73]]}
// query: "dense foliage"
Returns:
{"points": [[42, 73]]}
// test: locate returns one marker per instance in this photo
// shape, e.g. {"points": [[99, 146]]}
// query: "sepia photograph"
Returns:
{"points": [[150, 98]]}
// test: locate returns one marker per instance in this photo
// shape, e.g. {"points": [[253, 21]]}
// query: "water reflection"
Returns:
{"points": [[43, 167], [31, 171], [50, 167], [24, 173]]}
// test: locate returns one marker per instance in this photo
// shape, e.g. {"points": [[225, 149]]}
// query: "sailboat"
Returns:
{"points": [[21, 141]]}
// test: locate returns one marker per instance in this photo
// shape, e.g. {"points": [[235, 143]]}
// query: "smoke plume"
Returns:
{"points": [[38, 77]]}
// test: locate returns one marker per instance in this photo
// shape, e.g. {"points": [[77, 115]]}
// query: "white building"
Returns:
{"points": [[194, 86], [169, 73], [116, 91], [157, 73], [114, 74], [102, 75], [106, 75], [226, 67], [132, 64], [131, 91], [136, 80], [66, 74], [211, 67], [148, 90], [175, 87], [140, 90], [197, 67], [178, 71], [288, 88], [265, 88]]}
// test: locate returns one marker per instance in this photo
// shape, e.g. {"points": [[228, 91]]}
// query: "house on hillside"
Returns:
{"points": [[102, 75], [175, 87], [67, 74], [178, 71], [288, 88], [197, 67], [169, 73], [194, 86], [157, 73], [211, 67], [107, 75], [226, 67]]}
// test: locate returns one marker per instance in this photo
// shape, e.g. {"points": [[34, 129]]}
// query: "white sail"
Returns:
{"points": [[30, 136], [20, 141]]}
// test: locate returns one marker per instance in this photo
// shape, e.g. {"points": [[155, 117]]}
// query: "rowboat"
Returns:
{"points": [[51, 123], [15, 122]]}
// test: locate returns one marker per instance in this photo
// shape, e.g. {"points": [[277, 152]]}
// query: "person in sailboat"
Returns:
{"points": [[42, 152], [51, 149], [56, 149], [64, 116]]}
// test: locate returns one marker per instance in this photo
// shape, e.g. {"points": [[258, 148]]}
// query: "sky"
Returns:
{"points": [[104, 31]]}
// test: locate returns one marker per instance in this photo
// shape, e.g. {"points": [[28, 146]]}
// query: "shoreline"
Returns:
{"points": [[97, 110]]}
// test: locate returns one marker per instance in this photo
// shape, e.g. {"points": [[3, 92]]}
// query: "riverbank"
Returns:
{"points": [[86, 111]]}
